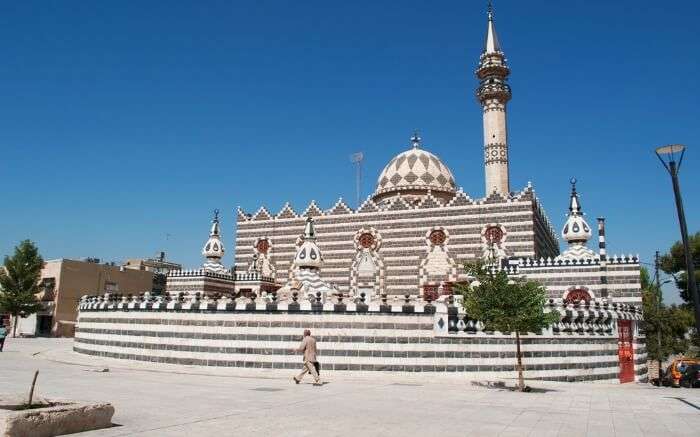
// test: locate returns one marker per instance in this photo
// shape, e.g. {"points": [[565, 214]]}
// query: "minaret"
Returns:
{"points": [[213, 250], [493, 94]]}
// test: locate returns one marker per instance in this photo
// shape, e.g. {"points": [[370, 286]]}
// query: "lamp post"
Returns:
{"points": [[668, 156]]}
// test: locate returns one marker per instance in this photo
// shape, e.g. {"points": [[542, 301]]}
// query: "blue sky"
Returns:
{"points": [[124, 122]]}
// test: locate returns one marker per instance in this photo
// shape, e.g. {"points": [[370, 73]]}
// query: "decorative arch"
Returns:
{"points": [[437, 270], [493, 238], [262, 256], [577, 293], [367, 270]]}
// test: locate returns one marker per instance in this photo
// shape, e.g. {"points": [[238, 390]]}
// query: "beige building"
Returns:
{"points": [[159, 266], [64, 281], [156, 265]]}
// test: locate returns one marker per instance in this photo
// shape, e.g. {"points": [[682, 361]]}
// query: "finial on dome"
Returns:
{"points": [[215, 224], [309, 231], [489, 10], [415, 139], [575, 203]]}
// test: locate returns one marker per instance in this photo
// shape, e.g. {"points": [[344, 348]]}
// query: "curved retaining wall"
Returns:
{"points": [[397, 341]]}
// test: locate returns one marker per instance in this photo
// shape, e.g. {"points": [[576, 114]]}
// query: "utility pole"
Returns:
{"points": [[657, 279], [356, 158]]}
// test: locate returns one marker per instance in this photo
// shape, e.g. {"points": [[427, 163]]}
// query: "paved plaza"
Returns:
{"points": [[153, 400]]}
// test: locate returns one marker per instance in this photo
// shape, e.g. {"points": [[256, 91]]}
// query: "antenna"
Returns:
{"points": [[356, 158]]}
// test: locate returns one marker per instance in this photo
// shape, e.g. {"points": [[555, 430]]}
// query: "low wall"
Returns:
{"points": [[402, 338]]}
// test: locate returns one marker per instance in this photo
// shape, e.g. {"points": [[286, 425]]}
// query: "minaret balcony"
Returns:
{"points": [[492, 69], [500, 91]]}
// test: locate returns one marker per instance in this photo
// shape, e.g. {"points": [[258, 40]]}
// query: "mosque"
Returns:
{"points": [[377, 283], [417, 230]]}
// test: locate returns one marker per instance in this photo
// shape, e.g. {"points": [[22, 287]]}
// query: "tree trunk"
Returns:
{"points": [[14, 325], [521, 380], [658, 352]]}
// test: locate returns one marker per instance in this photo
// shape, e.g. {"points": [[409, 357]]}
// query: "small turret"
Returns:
{"points": [[576, 231], [308, 255], [213, 249]]}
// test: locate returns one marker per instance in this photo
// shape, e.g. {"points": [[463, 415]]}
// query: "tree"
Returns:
{"points": [[19, 281], [665, 326], [507, 305], [673, 263]]}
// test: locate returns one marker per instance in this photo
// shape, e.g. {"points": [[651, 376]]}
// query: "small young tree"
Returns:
{"points": [[507, 304], [19, 281]]}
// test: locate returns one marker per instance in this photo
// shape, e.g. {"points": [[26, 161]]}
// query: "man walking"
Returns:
{"points": [[308, 348], [3, 334]]}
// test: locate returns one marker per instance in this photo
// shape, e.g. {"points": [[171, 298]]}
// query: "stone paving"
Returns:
{"points": [[182, 401]]}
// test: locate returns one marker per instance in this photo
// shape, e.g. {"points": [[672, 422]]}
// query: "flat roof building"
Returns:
{"points": [[64, 281]]}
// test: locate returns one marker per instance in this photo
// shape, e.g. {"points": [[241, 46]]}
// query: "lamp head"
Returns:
{"points": [[671, 156], [670, 151]]}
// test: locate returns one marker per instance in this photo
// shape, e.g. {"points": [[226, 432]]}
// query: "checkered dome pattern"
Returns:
{"points": [[416, 169]]}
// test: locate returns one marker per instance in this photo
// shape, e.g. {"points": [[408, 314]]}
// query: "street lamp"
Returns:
{"points": [[668, 155]]}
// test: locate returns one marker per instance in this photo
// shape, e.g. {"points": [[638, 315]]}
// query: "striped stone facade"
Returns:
{"points": [[616, 279], [398, 338], [406, 261]]}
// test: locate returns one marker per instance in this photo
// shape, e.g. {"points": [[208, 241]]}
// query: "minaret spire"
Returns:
{"points": [[491, 45], [493, 95]]}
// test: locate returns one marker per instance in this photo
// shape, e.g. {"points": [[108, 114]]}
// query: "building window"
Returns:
{"points": [[438, 237], [493, 234], [430, 292], [366, 240], [111, 287], [263, 246]]}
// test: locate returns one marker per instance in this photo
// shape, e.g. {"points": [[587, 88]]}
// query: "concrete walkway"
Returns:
{"points": [[165, 401]]}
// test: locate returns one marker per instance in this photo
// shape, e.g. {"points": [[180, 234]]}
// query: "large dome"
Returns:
{"points": [[415, 171]]}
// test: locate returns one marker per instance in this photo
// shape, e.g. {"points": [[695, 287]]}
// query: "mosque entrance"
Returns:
{"points": [[625, 350]]}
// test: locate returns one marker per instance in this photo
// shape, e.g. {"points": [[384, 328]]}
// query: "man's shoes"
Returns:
{"points": [[295, 379]]}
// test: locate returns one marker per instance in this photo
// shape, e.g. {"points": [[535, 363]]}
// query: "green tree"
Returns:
{"points": [[666, 327], [673, 263], [507, 304], [19, 281]]}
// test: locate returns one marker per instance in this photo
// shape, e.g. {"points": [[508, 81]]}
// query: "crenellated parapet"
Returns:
{"points": [[525, 263], [596, 317], [399, 203]]}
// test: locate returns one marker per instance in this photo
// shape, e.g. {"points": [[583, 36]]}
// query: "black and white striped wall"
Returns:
{"points": [[383, 336]]}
